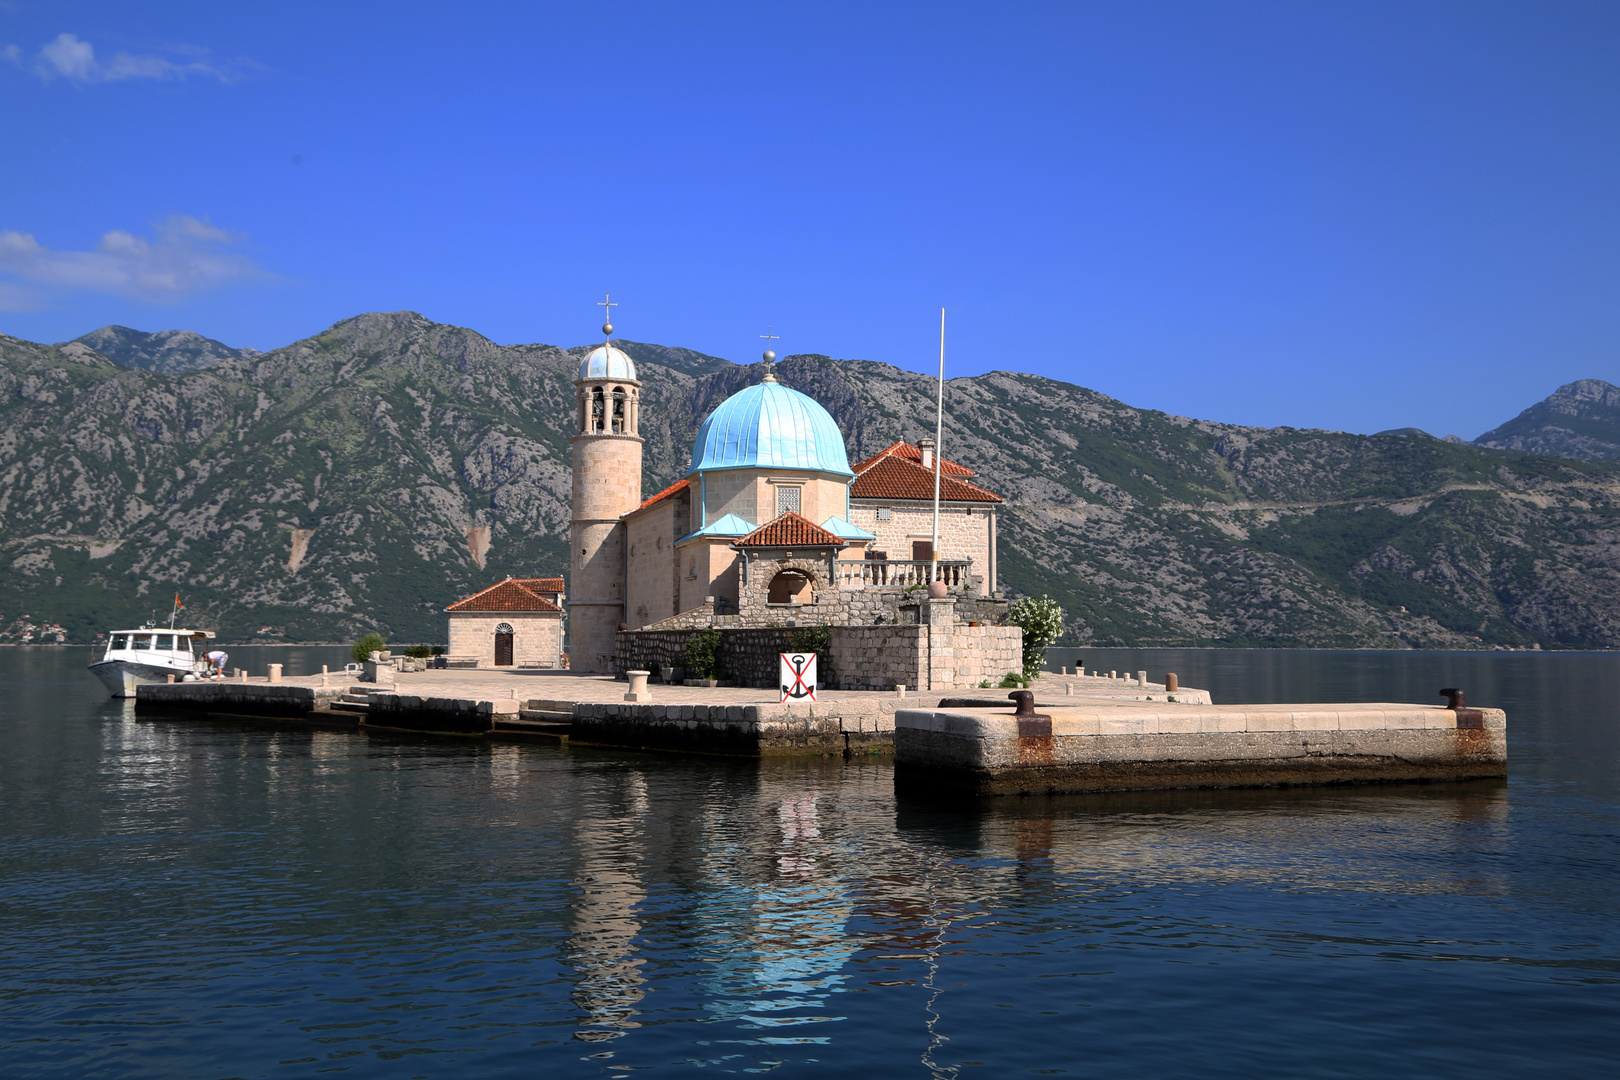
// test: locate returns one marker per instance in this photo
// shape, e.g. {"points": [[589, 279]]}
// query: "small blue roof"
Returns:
{"points": [[770, 426], [845, 531], [730, 525]]}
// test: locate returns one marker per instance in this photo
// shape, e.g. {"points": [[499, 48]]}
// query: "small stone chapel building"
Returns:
{"points": [[516, 623]]}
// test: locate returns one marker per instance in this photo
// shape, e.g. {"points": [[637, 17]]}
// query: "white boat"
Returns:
{"points": [[150, 655]]}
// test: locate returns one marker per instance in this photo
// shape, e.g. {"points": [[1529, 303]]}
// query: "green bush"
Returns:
{"points": [[370, 643], [1014, 681], [703, 654], [816, 639], [437, 650], [1041, 620], [418, 652]]}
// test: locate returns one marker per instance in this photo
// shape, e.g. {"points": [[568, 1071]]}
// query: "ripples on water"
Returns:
{"points": [[214, 899]]}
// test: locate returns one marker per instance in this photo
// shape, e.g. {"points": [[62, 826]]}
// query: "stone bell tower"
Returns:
{"points": [[607, 485]]}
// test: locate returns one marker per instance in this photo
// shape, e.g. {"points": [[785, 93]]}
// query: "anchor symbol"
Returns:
{"points": [[799, 688]]}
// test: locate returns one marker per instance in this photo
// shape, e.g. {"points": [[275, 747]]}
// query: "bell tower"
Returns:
{"points": [[607, 485]]}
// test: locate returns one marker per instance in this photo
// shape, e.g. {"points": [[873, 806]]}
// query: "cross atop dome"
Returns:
{"points": [[770, 355]]}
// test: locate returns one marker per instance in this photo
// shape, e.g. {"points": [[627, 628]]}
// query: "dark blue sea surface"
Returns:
{"points": [[239, 899]]}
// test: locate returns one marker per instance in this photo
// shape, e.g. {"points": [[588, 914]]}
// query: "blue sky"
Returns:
{"points": [[1354, 216]]}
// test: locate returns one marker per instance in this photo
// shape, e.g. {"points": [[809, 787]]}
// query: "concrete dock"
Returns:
{"points": [[1081, 734], [1143, 746], [590, 710]]}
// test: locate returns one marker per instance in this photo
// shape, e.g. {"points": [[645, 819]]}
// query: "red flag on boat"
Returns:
{"points": [[177, 604]]}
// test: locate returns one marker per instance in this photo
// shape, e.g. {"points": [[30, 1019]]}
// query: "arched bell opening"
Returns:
{"points": [[619, 417], [598, 411], [791, 587]]}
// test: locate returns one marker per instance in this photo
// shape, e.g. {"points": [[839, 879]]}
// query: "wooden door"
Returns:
{"points": [[503, 648], [922, 550]]}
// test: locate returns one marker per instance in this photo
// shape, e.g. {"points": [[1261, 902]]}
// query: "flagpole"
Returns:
{"points": [[939, 433]]}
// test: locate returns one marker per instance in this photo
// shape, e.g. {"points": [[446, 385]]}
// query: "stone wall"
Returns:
{"points": [[858, 658], [749, 655], [651, 574], [878, 657]]}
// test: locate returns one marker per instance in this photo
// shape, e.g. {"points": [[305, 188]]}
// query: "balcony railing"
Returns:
{"points": [[902, 573]]}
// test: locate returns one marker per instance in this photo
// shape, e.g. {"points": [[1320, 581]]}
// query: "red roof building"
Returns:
{"points": [[790, 531], [513, 623]]}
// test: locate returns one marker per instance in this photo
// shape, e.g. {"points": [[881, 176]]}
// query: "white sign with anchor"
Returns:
{"points": [[798, 676]]}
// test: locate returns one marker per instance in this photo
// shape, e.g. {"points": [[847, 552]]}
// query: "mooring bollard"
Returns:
{"points": [[323, 672], [638, 686], [899, 689], [241, 674], [1079, 669], [1113, 674], [169, 677], [1068, 689], [275, 672], [1170, 682], [1141, 678]]}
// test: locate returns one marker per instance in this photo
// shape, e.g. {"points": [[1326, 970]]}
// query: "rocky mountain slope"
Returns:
{"points": [[1581, 421], [369, 475], [166, 352]]}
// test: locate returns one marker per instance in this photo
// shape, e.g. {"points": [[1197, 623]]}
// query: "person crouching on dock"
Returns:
{"points": [[216, 663]]}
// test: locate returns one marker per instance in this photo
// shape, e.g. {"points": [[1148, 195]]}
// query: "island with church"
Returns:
{"points": [[774, 543]]}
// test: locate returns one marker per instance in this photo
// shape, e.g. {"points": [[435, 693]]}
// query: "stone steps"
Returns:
{"points": [[534, 725]]}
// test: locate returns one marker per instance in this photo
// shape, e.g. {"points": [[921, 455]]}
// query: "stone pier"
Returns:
{"points": [[1141, 746]]}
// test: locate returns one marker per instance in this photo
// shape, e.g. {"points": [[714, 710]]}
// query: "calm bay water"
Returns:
{"points": [[207, 899]]}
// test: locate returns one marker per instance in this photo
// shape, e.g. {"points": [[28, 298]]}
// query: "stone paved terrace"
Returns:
{"points": [[522, 684]]}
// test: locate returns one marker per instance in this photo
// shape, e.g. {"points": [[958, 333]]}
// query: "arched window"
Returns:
{"points": [[618, 411], [791, 587], [598, 411]]}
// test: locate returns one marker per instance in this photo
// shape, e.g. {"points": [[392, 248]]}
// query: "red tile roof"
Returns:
{"points": [[541, 584], [668, 493], [894, 477], [513, 594], [790, 530], [910, 452]]}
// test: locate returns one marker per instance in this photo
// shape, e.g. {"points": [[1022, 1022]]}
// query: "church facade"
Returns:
{"points": [[771, 526]]}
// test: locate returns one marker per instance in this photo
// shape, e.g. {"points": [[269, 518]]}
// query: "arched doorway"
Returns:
{"points": [[503, 645], [791, 587]]}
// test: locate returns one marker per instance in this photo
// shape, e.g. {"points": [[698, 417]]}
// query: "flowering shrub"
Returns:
{"points": [[1041, 620]]}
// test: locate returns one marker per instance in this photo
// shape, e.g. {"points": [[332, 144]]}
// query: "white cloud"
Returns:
{"points": [[184, 255], [69, 57], [17, 298]]}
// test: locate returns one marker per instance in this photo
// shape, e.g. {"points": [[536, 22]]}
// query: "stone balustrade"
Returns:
{"points": [[902, 573]]}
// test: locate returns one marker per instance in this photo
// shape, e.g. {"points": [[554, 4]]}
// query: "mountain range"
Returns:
{"points": [[367, 476]]}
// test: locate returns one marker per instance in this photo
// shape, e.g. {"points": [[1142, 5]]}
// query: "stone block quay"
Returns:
{"points": [[1145, 746], [550, 706]]}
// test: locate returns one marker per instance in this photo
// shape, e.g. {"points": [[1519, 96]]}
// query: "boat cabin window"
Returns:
{"points": [[119, 641], [142, 641]]}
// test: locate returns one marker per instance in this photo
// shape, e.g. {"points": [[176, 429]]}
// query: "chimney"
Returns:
{"points": [[926, 445]]}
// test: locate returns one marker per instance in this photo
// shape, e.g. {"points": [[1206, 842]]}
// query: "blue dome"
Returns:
{"points": [[769, 426]]}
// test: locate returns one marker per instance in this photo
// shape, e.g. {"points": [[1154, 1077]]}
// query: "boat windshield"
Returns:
{"points": [[141, 641]]}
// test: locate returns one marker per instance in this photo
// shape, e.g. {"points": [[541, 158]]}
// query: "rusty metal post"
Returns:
{"points": [[1171, 683]]}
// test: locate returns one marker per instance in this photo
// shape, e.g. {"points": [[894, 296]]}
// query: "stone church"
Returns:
{"points": [[770, 527]]}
